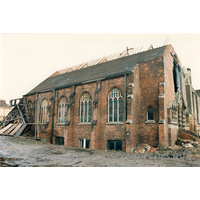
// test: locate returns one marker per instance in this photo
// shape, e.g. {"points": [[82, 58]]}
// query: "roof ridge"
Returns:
{"points": [[103, 59], [102, 70]]}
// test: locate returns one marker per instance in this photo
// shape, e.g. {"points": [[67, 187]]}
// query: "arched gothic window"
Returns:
{"points": [[62, 110], [43, 111], [85, 108], [115, 106], [30, 104], [150, 113], [31, 110]]}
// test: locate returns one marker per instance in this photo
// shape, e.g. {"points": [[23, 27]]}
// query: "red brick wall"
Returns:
{"points": [[170, 135], [183, 135], [146, 90], [151, 73]]}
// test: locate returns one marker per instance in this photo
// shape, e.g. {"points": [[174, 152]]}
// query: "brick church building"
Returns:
{"points": [[113, 104]]}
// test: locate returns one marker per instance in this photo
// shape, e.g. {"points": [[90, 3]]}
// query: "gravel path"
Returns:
{"points": [[28, 152]]}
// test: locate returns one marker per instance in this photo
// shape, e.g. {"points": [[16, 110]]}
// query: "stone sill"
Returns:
{"points": [[86, 123], [150, 122], [44, 123], [174, 123], [114, 123], [61, 124]]}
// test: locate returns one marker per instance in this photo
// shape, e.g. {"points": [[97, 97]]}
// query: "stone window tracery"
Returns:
{"points": [[150, 114], [85, 108], [115, 106], [62, 110], [43, 111]]}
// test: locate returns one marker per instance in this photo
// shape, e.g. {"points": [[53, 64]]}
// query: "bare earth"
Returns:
{"points": [[28, 153]]}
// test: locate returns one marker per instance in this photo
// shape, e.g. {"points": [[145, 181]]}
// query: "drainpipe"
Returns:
{"points": [[125, 109], [36, 112], [53, 116]]}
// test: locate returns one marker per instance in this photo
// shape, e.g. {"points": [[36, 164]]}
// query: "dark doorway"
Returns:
{"points": [[60, 140], [115, 145]]}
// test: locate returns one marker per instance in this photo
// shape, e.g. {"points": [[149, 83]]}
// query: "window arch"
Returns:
{"points": [[31, 110], [43, 111], [62, 110], [30, 104], [115, 106], [150, 113], [85, 108]]}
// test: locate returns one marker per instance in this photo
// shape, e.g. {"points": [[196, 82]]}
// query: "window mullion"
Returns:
{"points": [[87, 110], [113, 110], [44, 114], [108, 110], [83, 111], [80, 110], [63, 112], [84, 143], [60, 113], [118, 109]]}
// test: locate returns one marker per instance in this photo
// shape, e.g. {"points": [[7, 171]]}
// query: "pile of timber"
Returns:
{"points": [[17, 120]]}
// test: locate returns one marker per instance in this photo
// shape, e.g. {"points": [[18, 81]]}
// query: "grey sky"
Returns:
{"points": [[28, 59]]}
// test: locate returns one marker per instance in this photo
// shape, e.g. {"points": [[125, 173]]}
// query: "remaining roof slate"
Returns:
{"points": [[119, 66]]}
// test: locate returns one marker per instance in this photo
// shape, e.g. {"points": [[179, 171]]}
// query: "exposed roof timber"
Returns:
{"points": [[140, 49], [127, 52], [104, 59], [166, 41], [109, 58], [135, 50], [151, 47], [123, 53], [106, 69], [80, 66]]}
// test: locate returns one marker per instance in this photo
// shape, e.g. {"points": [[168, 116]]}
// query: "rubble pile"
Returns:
{"points": [[2, 159], [185, 143], [29, 134], [145, 149], [180, 144], [4, 164]]}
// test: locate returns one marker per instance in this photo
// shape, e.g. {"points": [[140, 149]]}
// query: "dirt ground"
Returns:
{"points": [[31, 153]]}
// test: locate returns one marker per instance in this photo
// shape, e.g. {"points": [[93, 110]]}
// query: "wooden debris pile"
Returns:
{"points": [[17, 121], [4, 164], [185, 143], [145, 149]]}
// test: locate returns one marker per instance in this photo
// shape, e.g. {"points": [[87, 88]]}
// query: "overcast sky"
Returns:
{"points": [[28, 59]]}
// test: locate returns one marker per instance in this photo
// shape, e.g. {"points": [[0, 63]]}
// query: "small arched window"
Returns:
{"points": [[43, 111], [115, 106], [62, 110], [30, 104], [85, 108], [31, 110], [150, 113]]}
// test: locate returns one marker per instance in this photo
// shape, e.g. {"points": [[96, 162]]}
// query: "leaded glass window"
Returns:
{"points": [[43, 111], [115, 106], [150, 113], [62, 110], [85, 108]]}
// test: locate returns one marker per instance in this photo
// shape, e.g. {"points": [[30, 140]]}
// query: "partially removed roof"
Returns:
{"points": [[100, 71]]}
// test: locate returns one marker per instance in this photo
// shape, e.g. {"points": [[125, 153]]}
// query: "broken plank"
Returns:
{"points": [[5, 128], [10, 129], [19, 132], [16, 129]]}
